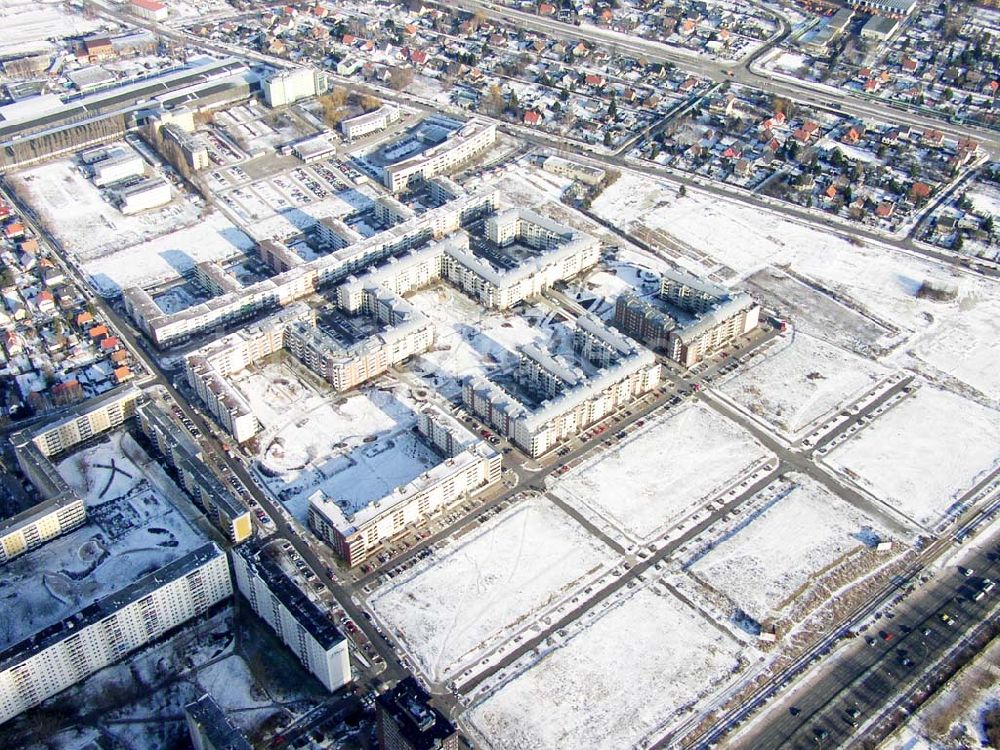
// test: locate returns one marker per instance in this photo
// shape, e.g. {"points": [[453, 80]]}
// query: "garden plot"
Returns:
{"points": [[132, 529], [661, 474], [804, 530], [87, 225], [922, 455], [799, 380], [169, 256], [449, 610], [470, 340], [620, 683]]}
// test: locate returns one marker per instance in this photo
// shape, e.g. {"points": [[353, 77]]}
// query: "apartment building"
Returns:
{"points": [[211, 729], [178, 450], [297, 620], [334, 233], [721, 316], [304, 278], [87, 419], [890, 8], [571, 400], [149, 10], [407, 721], [475, 137], [370, 122], [289, 86], [208, 369], [106, 631], [470, 465]]}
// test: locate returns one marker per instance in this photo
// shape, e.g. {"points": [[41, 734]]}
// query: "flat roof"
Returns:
{"points": [[422, 725]]}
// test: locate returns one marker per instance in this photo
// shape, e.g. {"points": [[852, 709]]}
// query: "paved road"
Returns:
{"points": [[868, 678]]}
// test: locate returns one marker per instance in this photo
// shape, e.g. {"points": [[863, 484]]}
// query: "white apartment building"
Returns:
{"points": [[470, 465], [289, 86], [208, 369], [108, 630], [87, 419], [370, 122], [149, 9], [722, 317], [296, 619], [39, 524], [475, 137], [292, 284], [572, 401]]}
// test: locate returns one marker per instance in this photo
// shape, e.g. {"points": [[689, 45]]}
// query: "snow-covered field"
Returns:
{"points": [[620, 683], [30, 26], [923, 454], [654, 479], [488, 585], [799, 380], [804, 529], [132, 529], [169, 256], [83, 221], [735, 240], [470, 340], [313, 439]]}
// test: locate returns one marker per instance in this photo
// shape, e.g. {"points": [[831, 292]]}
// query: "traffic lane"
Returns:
{"points": [[880, 679], [859, 658]]}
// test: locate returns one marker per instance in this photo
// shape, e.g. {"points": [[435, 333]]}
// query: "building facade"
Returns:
{"points": [[407, 721], [470, 465], [108, 630], [370, 122], [296, 619], [469, 142]]}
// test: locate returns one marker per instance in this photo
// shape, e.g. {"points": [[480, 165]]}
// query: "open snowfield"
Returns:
{"points": [[799, 380], [735, 240], [804, 529], [659, 475], [83, 221], [470, 340], [923, 454], [169, 256], [620, 683], [488, 585], [132, 529], [29, 25]]}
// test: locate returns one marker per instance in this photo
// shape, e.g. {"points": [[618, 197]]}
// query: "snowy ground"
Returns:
{"points": [[83, 221], [311, 437], [799, 380], [803, 530], [661, 474], [169, 256], [733, 241], [618, 684], [488, 586], [923, 454], [471, 341], [132, 529], [31, 26]]}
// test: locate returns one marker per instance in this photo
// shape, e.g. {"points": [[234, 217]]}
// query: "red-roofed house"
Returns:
{"points": [[123, 374], [546, 9], [920, 190], [531, 117], [109, 344], [885, 209]]}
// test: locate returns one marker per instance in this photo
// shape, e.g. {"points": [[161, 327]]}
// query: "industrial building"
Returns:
{"points": [[297, 620], [469, 466], [106, 631], [143, 195]]}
